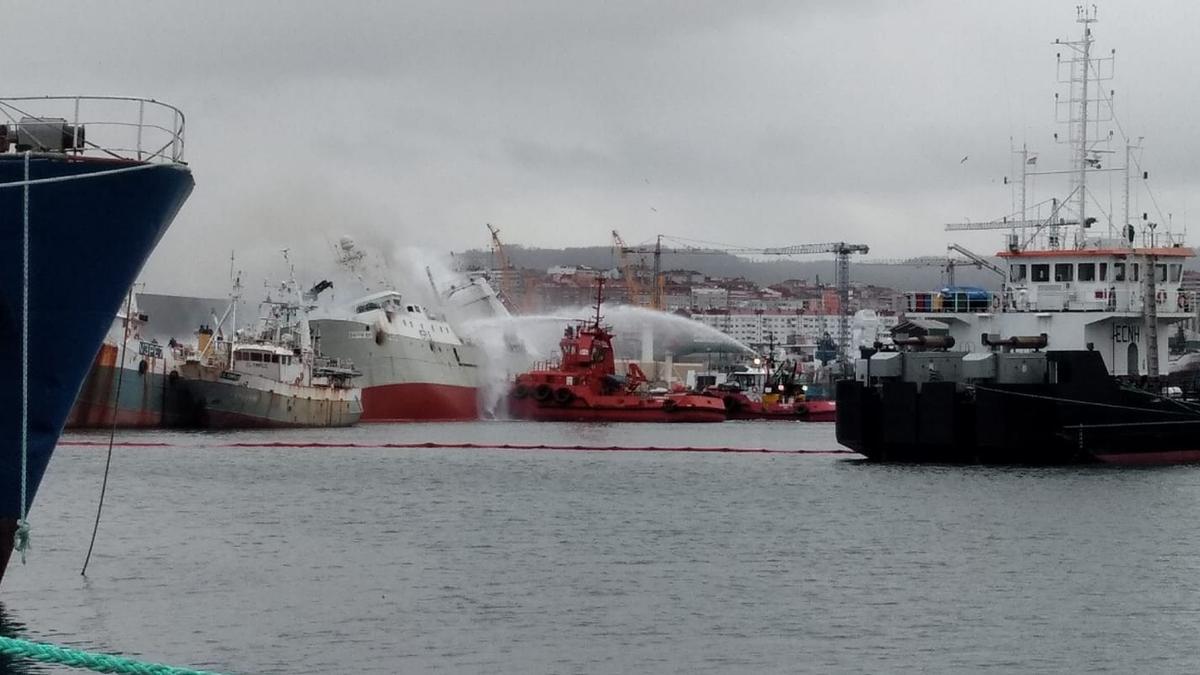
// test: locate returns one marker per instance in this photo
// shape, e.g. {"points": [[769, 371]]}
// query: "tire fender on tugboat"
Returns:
{"points": [[542, 392], [563, 396], [520, 391]]}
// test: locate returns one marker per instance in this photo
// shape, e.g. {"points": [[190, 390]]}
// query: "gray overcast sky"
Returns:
{"points": [[755, 123]]}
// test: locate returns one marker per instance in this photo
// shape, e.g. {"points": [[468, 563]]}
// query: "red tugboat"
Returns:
{"points": [[763, 393], [585, 387]]}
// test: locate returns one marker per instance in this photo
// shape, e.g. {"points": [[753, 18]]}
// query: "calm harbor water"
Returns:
{"points": [[385, 560]]}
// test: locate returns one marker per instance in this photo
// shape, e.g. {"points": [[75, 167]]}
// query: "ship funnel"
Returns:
{"points": [[203, 338]]}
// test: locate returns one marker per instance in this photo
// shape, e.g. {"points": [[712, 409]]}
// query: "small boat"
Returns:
{"points": [[767, 392], [273, 378], [583, 386]]}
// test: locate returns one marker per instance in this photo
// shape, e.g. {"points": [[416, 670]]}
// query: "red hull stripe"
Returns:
{"points": [[1170, 457], [419, 402], [483, 446]]}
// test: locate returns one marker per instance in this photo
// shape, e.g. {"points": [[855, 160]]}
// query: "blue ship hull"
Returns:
{"points": [[88, 240]]}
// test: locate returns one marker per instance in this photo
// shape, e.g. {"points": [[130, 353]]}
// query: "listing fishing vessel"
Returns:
{"points": [[272, 377], [88, 186], [414, 365], [583, 386], [1062, 364]]}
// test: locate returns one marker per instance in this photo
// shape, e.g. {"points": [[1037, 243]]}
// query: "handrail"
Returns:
{"points": [[153, 130], [1174, 302]]}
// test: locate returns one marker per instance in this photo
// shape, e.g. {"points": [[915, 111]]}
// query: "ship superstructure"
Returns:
{"points": [[1087, 277]]}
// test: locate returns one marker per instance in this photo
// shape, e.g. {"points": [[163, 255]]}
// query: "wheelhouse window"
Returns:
{"points": [[1087, 271], [1162, 272], [1176, 274], [1137, 272], [1064, 272], [1040, 272], [1103, 271], [1118, 271], [1016, 273]]}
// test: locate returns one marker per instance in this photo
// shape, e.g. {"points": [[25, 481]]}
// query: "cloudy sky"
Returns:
{"points": [[755, 123]]}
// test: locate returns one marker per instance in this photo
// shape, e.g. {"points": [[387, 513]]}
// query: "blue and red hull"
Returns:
{"points": [[89, 238]]}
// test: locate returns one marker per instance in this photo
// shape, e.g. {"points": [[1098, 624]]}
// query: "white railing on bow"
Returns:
{"points": [[117, 127]]}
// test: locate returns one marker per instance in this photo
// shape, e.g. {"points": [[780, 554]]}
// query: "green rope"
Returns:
{"points": [[75, 658]]}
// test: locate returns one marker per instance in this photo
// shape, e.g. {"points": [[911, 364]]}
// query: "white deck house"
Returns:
{"points": [[1086, 298]]}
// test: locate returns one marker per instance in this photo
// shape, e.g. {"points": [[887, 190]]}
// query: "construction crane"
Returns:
{"points": [[632, 287], [503, 268], [841, 251]]}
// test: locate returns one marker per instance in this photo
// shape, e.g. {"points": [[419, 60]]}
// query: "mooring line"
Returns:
{"points": [[78, 658], [112, 435]]}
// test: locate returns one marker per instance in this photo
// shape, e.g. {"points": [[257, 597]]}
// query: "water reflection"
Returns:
{"points": [[10, 627]]}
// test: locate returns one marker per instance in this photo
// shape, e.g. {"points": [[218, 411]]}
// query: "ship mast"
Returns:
{"points": [[1084, 71], [599, 298], [1080, 76]]}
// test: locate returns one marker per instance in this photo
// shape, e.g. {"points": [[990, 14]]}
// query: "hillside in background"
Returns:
{"points": [[767, 272]]}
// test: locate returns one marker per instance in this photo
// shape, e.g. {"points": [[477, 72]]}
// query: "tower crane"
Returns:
{"points": [[632, 287], [840, 250]]}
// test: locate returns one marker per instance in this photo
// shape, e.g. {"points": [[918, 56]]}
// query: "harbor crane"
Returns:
{"points": [[840, 250]]}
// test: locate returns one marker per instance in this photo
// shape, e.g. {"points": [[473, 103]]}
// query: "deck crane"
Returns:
{"points": [[841, 251], [948, 263], [503, 268]]}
